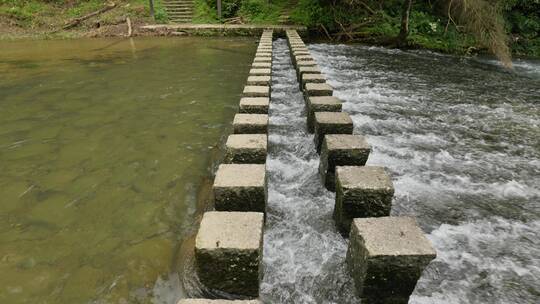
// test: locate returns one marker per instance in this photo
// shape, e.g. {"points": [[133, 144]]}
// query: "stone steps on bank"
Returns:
{"points": [[179, 11]]}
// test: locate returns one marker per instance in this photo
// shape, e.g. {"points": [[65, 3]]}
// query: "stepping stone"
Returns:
{"points": [[256, 91], [331, 123], [295, 49], [361, 192], [301, 53], [263, 59], [320, 104], [386, 257], [311, 63], [318, 89], [260, 72], [228, 252], [250, 124], [303, 58], [312, 78], [254, 105], [264, 53], [258, 65], [341, 150], [246, 149], [207, 301], [308, 70], [240, 187], [259, 80]]}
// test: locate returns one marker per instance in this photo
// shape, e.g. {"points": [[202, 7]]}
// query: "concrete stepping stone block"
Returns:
{"points": [[312, 78], [308, 70], [318, 89], [259, 80], [320, 104], [254, 105], [208, 301], [341, 150], [331, 123], [301, 53], [228, 251], [263, 54], [386, 257], [258, 65], [240, 187], [263, 59], [250, 123], [260, 72], [256, 91], [246, 149], [303, 58], [311, 63], [361, 192]]}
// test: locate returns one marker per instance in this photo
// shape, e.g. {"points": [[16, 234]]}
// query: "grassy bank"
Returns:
{"points": [[47, 19]]}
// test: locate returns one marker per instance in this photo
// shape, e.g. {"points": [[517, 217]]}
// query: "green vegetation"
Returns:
{"points": [[456, 26], [246, 11], [44, 19], [453, 26]]}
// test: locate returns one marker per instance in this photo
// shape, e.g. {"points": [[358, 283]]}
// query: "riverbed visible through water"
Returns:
{"points": [[104, 145]]}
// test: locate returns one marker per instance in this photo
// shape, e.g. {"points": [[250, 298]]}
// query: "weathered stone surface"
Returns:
{"points": [[228, 251], [341, 150], [240, 187], [331, 123], [311, 63], [246, 149], [308, 70], [318, 89], [303, 58], [256, 91], [301, 53], [298, 48], [260, 72], [320, 104], [254, 105], [257, 65], [259, 80], [361, 192], [250, 123], [312, 78], [263, 59], [207, 301], [386, 257]]}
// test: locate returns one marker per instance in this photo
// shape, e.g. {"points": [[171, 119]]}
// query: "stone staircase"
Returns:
{"points": [[179, 11]]}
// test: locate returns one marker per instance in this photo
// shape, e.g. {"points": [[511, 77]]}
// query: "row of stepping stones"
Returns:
{"points": [[386, 255], [229, 243]]}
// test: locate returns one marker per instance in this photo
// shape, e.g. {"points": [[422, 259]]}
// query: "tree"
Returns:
{"points": [[404, 31]]}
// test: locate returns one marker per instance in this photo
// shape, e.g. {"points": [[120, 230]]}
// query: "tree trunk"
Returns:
{"points": [[151, 3], [404, 32]]}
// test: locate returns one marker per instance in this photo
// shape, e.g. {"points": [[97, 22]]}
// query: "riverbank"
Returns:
{"points": [[36, 20]]}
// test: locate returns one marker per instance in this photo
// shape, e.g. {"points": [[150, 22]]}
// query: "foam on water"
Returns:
{"points": [[461, 140], [303, 254]]}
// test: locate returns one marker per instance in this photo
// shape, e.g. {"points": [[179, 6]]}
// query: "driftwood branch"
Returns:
{"points": [[326, 32], [130, 30], [345, 31], [75, 22]]}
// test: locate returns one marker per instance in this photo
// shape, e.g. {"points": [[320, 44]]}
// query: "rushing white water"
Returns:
{"points": [[462, 140], [303, 254]]}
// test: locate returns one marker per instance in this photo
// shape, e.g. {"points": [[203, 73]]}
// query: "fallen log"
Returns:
{"points": [[77, 21], [130, 30]]}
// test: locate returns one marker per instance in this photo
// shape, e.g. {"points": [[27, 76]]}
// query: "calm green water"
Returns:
{"points": [[103, 147]]}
